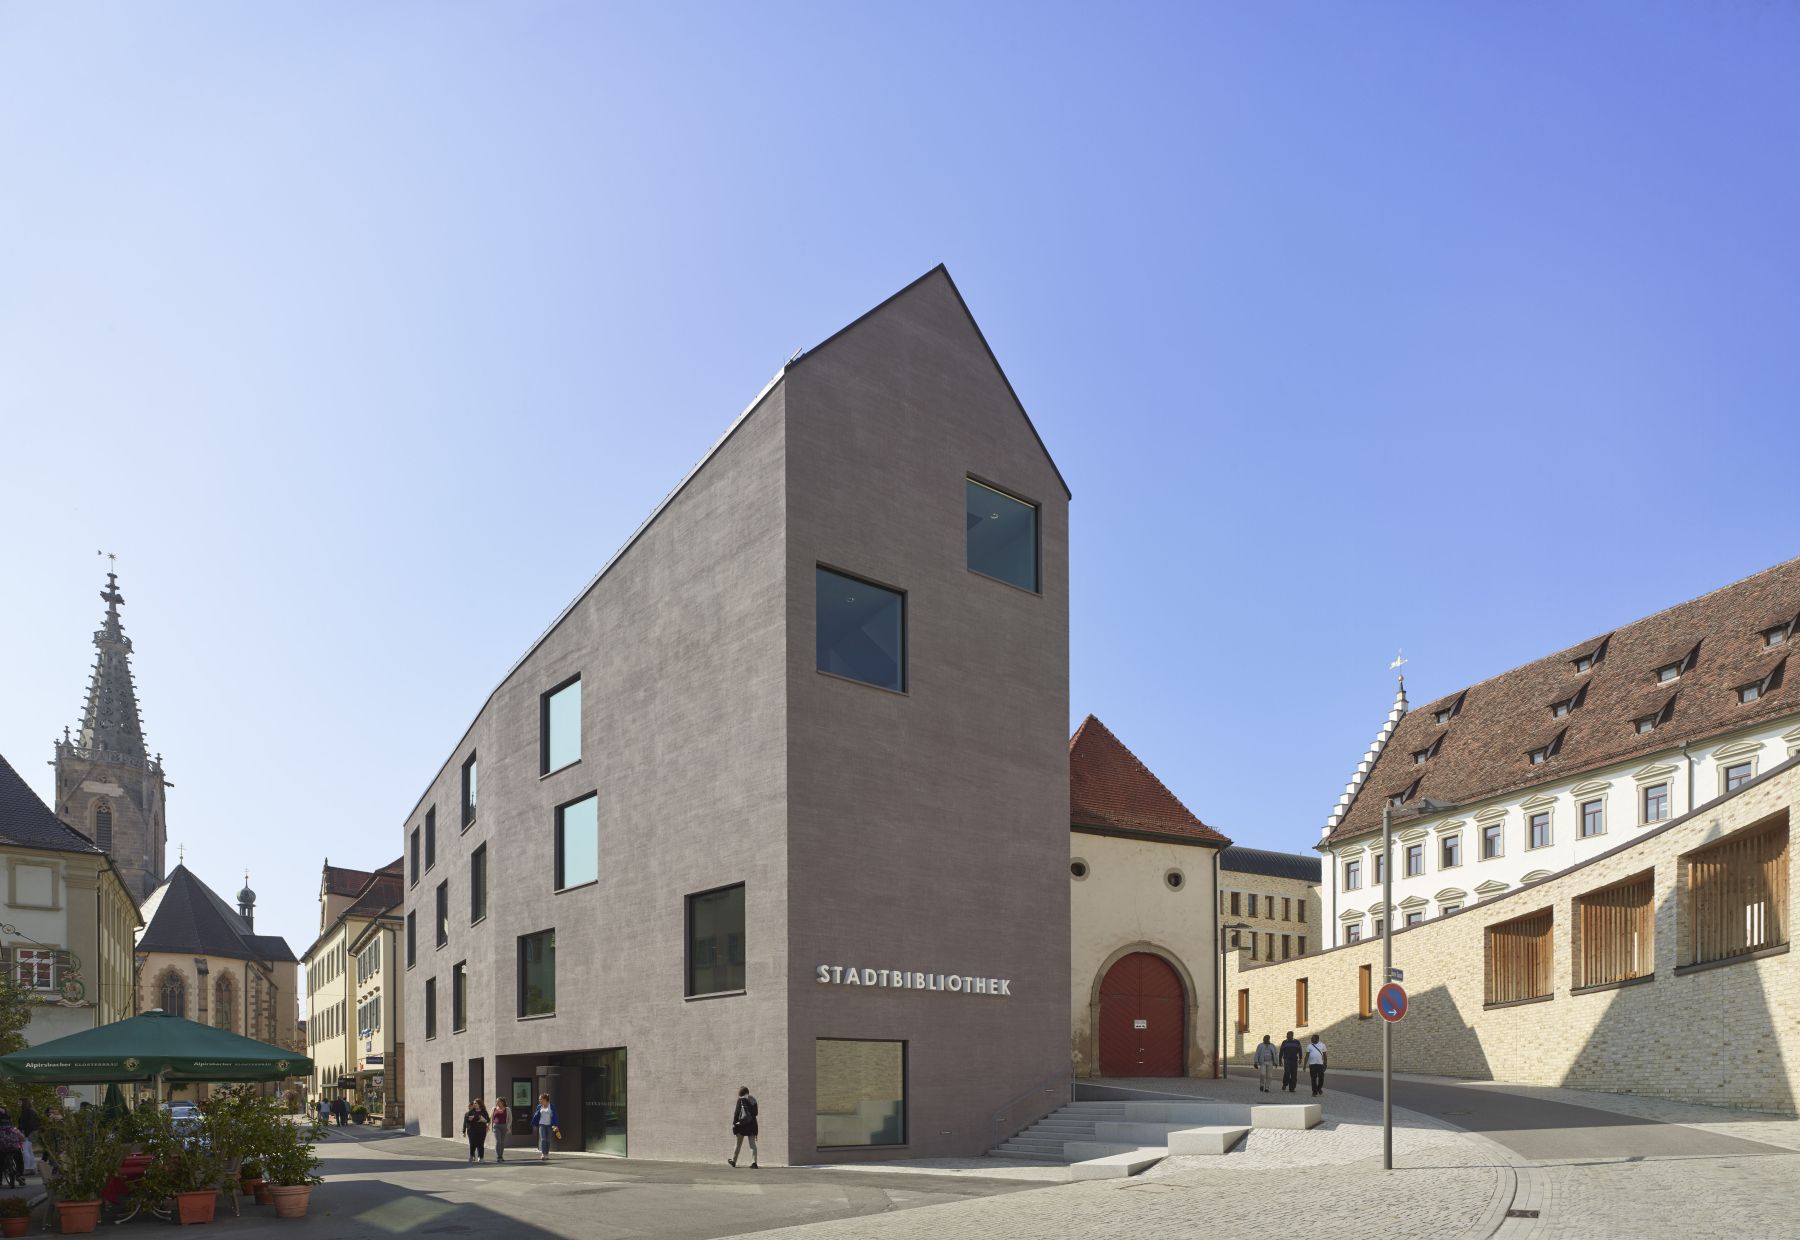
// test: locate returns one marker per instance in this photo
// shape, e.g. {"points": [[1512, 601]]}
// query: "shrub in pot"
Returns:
{"points": [[86, 1148], [186, 1164], [15, 1216], [250, 1174], [360, 1113], [292, 1171]]}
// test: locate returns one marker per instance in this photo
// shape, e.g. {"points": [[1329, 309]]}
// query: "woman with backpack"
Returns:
{"points": [[743, 1125]]}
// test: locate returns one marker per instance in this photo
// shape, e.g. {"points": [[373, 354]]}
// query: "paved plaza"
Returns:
{"points": [[1471, 1161]]}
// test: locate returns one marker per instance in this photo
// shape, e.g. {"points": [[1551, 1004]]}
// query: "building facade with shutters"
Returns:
{"points": [[343, 1001], [778, 801], [1553, 763]]}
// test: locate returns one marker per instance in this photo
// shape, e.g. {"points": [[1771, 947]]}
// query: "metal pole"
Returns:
{"points": [[1387, 972], [1224, 985]]}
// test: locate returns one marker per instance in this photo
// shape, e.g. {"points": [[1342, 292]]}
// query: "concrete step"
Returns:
{"points": [[1218, 1139], [1006, 1151], [1301, 1115], [1117, 1166], [1082, 1151], [1036, 1143]]}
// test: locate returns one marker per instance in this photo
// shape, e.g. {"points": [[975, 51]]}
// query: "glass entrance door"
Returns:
{"points": [[603, 1109]]}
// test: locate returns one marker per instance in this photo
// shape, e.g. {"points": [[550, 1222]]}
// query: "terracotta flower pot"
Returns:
{"points": [[14, 1225], [264, 1191], [250, 1185], [197, 1206], [77, 1217], [291, 1199]]}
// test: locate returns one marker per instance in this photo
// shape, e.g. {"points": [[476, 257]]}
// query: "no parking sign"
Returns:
{"points": [[1391, 1002]]}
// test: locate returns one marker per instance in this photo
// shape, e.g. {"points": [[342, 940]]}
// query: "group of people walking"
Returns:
{"points": [[1288, 1055], [334, 1111], [478, 1121], [15, 1145]]}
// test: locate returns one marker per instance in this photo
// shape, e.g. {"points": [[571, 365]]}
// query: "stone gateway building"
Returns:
{"points": [[779, 800]]}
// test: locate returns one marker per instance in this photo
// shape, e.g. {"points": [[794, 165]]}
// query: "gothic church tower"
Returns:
{"points": [[107, 787]]}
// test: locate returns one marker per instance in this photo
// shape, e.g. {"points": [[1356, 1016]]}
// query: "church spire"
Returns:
{"points": [[111, 728]]}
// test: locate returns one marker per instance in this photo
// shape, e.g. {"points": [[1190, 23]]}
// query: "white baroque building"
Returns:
{"points": [[1555, 762]]}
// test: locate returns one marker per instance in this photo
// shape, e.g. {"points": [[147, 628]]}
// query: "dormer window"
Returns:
{"points": [[1761, 688], [1649, 723], [1673, 671], [1592, 659], [1543, 753], [1646, 724], [1585, 663], [1749, 693], [1667, 672], [1443, 716], [1560, 710], [1422, 756], [1777, 634], [1404, 795], [1449, 711]]}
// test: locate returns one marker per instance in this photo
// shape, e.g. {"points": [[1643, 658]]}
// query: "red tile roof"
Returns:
{"points": [[1112, 793], [1482, 750], [343, 881]]}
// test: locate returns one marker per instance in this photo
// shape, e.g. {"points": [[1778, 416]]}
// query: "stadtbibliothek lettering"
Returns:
{"points": [[901, 979]]}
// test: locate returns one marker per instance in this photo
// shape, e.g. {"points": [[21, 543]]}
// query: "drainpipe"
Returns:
{"points": [[1690, 775], [1218, 965]]}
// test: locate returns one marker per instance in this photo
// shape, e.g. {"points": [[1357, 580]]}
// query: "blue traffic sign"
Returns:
{"points": [[1391, 1002]]}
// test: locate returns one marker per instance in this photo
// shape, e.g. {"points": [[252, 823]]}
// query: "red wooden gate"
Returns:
{"points": [[1143, 1018]]}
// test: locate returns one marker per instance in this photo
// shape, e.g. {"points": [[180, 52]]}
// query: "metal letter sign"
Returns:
{"points": [[1391, 1002]]}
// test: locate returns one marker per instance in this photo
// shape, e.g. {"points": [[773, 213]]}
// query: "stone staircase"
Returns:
{"points": [[1101, 1140]]}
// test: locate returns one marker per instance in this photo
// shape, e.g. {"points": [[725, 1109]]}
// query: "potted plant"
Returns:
{"points": [[250, 1176], [292, 1171], [15, 1216], [86, 1149], [360, 1113], [186, 1164]]}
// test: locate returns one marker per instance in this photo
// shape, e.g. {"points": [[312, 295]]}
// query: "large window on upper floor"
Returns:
{"points": [[443, 912], [860, 630], [1003, 536], [715, 934], [469, 790], [430, 837], [412, 857], [537, 974], [578, 842], [559, 726], [478, 884]]}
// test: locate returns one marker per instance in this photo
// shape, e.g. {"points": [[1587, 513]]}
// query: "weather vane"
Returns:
{"points": [[1399, 664]]}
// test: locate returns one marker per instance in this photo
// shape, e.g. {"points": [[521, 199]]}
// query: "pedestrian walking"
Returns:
{"points": [[1265, 1063], [324, 1111], [12, 1153], [341, 1110], [543, 1124], [475, 1127], [29, 1123], [500, 1117], [1290, 1062], [743, 1125], [1315, 1064]]}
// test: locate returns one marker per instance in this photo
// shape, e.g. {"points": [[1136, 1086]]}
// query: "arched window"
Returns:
{"points": [[171, 992], [223, 1015], [103, 825]]}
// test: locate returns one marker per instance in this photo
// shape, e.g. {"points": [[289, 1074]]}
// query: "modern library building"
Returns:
{"points": [[781, 799]]}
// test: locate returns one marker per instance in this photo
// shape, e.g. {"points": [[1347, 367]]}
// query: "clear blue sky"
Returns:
{"points": [[365, 333]]}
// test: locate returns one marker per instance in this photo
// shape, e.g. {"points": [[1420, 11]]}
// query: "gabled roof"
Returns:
{"points": [[1482, 750], [29, 823], [339, 880], [382, 892], [1112, 793], [1306, 868], [184, 915]]}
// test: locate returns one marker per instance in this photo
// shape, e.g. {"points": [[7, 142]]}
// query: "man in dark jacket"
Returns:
{"points": [[743, 1125], [1290, 1062]]}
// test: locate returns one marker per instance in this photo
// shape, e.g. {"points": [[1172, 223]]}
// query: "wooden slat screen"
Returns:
{"points": [[1243, 1020], [1737, 894], [1615, 927], [1365, 998], [1300, 1001], [1518, 958]]}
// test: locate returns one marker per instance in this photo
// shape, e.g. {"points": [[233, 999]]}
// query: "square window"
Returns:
{"points": [[1656, 802], [1738, 775], [537, 973], [1491, 841], [1352, 876], [1451, 852], [1667, 673], [860, 631], [1775, 636], [1415, 918], [478, 884], [860, 1092], [1539, 830], [1415, 860], [715, 941], [559, 726], [1560, 709], [459, 996], [1539, 756], [1646, 724], [1593, 817], [1003, 536], [578, 842], [1585, 663], [1749, 693], [430, 838], [468, 791], [443, 913]]}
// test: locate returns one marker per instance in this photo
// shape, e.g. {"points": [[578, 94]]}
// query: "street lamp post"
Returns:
{"points": [[1224, 987], [1417, 810]]}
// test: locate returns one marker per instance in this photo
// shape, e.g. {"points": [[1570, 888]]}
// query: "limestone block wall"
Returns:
{"points": [[1726, 1034]]}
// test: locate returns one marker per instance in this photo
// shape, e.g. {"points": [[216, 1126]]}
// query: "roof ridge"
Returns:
{"points": [[1111, 735], [1366, 767]]}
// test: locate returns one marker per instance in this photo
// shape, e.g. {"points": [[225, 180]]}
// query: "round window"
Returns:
{"points": [[1078, 868], [1174, 879]]}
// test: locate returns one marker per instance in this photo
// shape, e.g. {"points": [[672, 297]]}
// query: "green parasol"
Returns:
{"points": [[150, 1046]]}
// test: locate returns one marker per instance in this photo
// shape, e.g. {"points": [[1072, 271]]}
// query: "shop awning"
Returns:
{"points": [[150, 1046]]}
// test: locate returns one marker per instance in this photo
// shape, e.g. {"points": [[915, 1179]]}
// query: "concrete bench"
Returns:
{"points": [[1217, 1139], [1187, 1114], [1117, 1166], [1296, 1115]]}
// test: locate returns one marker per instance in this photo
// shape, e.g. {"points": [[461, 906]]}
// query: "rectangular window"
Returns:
{"points": [[578, 842], [1243, 1015], [1301, 910], [537, 973], [1353, 933], [1352, 875], [1271, 947], [1490, 841], [459, 996], [1287, 946], [1380, 866], [1737, 776], [860, 630], [1593, 818], [860, 1092], [1540, 830], [443, 913], [430, 1008], [412, 857], [412, 939], [1302, 947], [1448, 909], [1003, 536], [1287, 908], [1253, 942], [36, 968], [430, 838], [715, 941], [1656, 802], [1415, 860], [559, 726], [1380, 926], [1365, 991], [1450, 852], [1252, 904], [1414, 918], [1518, 958], [1234, 903], [478, 884], [1613, 929], [1737, 893], [1300, 1001], [468, 791]]}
